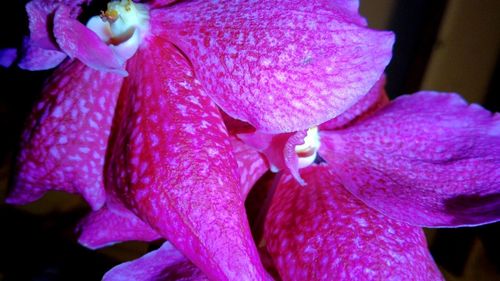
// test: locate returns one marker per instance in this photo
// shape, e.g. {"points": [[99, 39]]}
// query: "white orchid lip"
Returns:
{"points": [[122, 26], [308, 151]]}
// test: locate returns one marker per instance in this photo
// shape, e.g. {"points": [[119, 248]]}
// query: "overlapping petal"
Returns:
{"points": [[106, 227], [64, 146], [164, 264], [280, 65], [40, 50], [251, 165], [428, 159], [171, 163], [322, 232], [77, 41], [373, 101]]}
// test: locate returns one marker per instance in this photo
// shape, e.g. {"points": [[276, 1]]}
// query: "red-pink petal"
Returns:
{"points": [[160, 3], [251, 165], [373, 101], [322, 232], [171, 163], [282, 66], [429, 159], [164, 264], [77, 41], [106, 227], [64, 145]]}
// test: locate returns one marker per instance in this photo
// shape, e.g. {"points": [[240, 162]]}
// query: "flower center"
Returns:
{"points": [[308, 151], [123, 26]]}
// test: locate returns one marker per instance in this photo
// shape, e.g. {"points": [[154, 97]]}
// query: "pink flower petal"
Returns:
{"points": [[428, 159], [77, 41], [104, 228], [373, 101], [279, 149], [7, 56], [251, 165], [322, 232], [40, 49], [171, 163], [64, 145], [164, 264], [282, 66]]}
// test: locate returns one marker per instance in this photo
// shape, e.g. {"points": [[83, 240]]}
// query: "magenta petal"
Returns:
{"points": [[105, 227], [279, 149], [64, 145], [160, 3], [282, 66], [251, 165], [77, 41], [373, 101], [172, 164], [322, 232], [164, 264], [7, 56], [428, 159]]}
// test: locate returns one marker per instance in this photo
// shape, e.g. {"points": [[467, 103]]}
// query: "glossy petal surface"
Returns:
{"points": [[428, 159], [171, 163], [164, 264], [282, 66], [322, 232], [64, 145]]}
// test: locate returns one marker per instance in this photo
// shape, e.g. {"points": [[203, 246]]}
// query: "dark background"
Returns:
{"points": [[37, 242]]}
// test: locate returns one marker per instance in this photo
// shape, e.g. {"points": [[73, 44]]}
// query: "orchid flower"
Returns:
{"points": [[331, 227], [130, 121]]}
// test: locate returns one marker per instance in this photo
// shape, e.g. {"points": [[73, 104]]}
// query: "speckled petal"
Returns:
{"points": [[428, 159], [282, 66], [164, 264], [171, 163], [251, 165], [322, 232], [7, 56], [105, 227], [373, 101], [77, 41], [64, 145]]}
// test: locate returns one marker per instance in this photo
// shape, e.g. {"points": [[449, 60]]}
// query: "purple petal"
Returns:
{"points": [[164, 264], [428, 159], [171, 163], [322, 232], [36, 58], [105, 227], [282, 66], [64, 145], [77, 41], [7, 56]]}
